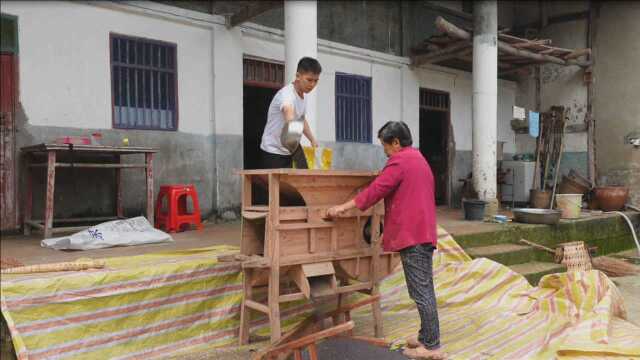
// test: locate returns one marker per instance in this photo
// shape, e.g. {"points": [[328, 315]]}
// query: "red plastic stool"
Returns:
{"points": [[176, 215]]}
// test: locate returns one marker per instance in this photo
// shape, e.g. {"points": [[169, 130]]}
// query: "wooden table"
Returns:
{"points": [[52, 151]]}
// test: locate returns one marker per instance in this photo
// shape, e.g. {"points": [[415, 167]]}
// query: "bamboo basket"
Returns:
{"points": [[574, 255]]}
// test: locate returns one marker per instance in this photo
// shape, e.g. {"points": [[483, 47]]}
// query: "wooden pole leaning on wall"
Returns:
{"points": [[454, 31]]}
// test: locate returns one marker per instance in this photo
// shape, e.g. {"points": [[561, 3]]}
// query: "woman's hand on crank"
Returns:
{"points": [[335, 211]]}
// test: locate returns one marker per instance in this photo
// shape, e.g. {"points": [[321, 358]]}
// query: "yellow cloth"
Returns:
{"points": [[318, 158]]}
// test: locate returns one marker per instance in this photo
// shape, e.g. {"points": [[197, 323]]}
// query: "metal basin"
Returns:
{"points": [[536, 216]]}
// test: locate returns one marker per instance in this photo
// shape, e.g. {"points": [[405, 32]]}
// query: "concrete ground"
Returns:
{"points": [[28, 251]]}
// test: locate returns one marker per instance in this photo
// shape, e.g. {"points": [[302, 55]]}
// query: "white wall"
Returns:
{"points": [[210, 79], [395, 87], [65, 71]]}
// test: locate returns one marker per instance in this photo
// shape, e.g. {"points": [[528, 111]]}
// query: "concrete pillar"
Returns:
{"points": [[485, 100], [300, 40]]}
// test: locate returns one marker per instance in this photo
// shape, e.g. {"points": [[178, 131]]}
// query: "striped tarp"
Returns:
{"points": [[136, 308], [487, 311], [165, 304]]}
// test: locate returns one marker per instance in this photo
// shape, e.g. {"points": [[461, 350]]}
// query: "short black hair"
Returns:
{"points": [[395, 130], [309, 65]]}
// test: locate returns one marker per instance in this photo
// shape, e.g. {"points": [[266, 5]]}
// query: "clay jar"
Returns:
{"points": [[611, 198]]}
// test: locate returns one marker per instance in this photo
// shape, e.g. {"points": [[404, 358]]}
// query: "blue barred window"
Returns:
{"points": [[353, 108]]}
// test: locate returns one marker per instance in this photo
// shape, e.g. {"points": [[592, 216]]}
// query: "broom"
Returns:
{"points": [[610, 266]]}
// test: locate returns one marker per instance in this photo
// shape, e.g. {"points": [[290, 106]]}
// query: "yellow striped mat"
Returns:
{"points": [[157, 305]]}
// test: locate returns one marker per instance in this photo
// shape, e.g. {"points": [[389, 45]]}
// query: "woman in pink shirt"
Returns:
{"points": [[407, 187]]}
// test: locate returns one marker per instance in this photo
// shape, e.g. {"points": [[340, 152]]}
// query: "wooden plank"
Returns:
{"points": [[245, 315], [304, 226], [246, 192], [34, 223], [89, 149], [577, 53], [530, 43], [93, 165], [327, 256], [256, 306], [254, 215], [334, 239], [308, 172], [80, 219], [28, 198], [354, 287], [292, 297], [51, 184], [592, 25], [256, 208], [294, 213], [453, 30], [150, 189], [317, 269], [273, 241], [371, 340], [64, 229], [313, 238], [297, 275], [448, 52], [309, 339], [313, 352], [376, 244]]}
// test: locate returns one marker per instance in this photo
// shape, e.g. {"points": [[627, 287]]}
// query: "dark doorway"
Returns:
{"points": [[434, 138], [262, 80], [256, 104]]}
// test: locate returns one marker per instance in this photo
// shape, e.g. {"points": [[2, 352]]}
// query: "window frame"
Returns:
{"points": [[171, 45], [13, 19], [369, 135]]}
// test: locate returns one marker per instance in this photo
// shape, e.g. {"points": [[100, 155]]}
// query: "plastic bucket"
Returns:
{"points": [[473, 209], [570, 204]]}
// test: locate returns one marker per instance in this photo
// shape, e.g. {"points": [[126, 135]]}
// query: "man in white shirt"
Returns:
{"points": [[287, 120]]}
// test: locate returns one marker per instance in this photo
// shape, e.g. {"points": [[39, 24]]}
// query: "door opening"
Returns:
{"points": [[434, 139], [256, 103], [262, 80]]}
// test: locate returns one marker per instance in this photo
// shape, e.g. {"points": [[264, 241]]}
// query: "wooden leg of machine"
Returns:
{"points": [[375, 279], [273, 251], [245, 315], [274, 304], [377, 314]]}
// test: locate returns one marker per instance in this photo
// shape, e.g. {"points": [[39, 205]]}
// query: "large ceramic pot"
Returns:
{"points": [[611, 198]]}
